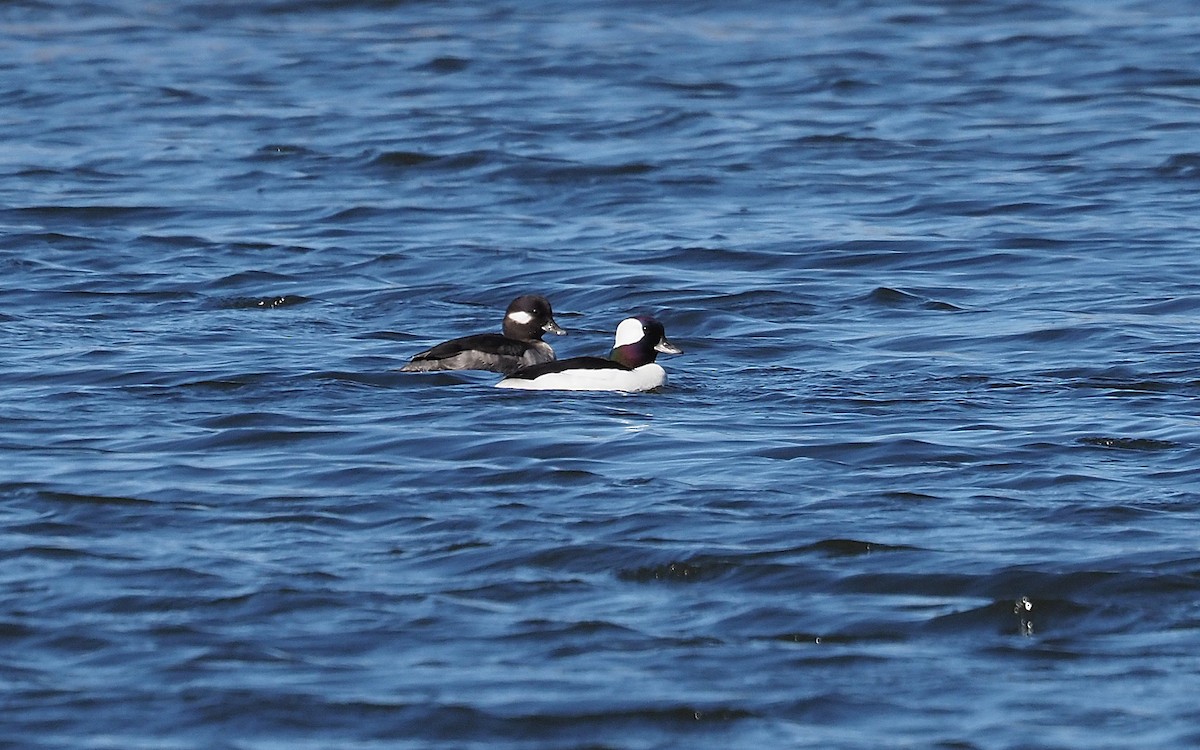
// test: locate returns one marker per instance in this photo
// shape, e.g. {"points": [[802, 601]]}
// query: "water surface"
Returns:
{"points": [[925, 476]]}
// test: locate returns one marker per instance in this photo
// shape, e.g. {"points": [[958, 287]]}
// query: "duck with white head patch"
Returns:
{"points": [[629, 367], [520, 345]]}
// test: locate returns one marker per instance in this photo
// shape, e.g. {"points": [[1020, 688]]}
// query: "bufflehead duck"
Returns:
{"points": [[629, 367], [521, 345]]}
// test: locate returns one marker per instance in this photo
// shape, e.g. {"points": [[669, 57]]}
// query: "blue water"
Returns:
{"points": [[926, 475]]}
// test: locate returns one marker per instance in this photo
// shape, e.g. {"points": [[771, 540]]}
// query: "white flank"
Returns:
{"points": [[642, 378]]}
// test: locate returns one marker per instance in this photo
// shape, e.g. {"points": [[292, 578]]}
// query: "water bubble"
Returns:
{"points": [[1022, 608]]}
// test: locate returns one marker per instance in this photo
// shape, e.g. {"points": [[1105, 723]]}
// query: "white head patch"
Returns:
{"points": [[520, 317], [629, 332]]}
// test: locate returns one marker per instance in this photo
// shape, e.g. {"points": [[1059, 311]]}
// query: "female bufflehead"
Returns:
{"points": [[629, 367], [521, 345]]}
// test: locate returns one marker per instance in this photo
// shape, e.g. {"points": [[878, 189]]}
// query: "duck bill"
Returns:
{"points": [[666, 347], [552, 327]]}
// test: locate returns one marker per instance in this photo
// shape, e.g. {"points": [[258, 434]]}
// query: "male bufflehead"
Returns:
{"points": [[521, 345], [629, 367]]}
